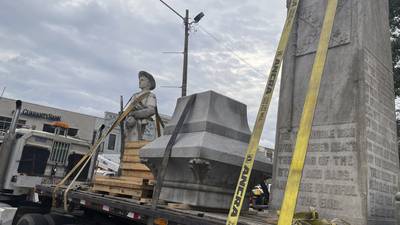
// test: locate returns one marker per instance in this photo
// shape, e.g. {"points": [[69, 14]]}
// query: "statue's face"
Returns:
{"points": [[144, 83]]}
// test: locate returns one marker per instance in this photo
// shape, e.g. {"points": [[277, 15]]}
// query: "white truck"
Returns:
{"points": [[29, 158], [39, 157], [34, 161]]}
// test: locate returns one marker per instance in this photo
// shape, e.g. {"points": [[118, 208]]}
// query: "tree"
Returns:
{"points": [[394, 21]]}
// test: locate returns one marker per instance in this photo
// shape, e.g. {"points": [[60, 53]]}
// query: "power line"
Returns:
{"points": [[230, 50]]}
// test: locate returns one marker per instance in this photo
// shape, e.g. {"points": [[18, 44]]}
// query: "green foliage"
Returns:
{"points": [[394, 20]]}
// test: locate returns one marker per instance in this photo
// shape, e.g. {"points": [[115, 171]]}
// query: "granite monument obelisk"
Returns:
{"points": [[352, 163]]}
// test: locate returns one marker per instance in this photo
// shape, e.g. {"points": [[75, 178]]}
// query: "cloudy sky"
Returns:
{"points": [[81, 55]]}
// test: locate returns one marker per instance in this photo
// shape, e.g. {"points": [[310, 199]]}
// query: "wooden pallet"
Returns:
{"points": [[144, 174], [136, 180], [123, 192]]}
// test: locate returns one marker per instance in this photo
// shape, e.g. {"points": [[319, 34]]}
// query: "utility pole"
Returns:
{"points": [[187, 24], [185, 54]]}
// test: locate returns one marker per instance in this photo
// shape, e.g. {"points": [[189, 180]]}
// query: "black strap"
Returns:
{"points": [[167, 154]]}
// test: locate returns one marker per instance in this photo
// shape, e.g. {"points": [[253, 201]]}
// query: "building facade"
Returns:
{"points": [[82, 126], [40, 117]]}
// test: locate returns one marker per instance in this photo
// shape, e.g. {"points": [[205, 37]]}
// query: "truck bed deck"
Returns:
{"points": [[140, 212]]}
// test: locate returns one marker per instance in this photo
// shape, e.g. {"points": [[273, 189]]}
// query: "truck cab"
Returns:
{"points": [[39, 157]]}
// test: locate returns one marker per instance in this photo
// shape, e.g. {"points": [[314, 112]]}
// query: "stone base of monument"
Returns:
{"points": [[206, 160]]}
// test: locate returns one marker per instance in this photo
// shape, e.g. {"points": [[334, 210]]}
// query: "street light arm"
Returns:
{"points": [[172, 10]]}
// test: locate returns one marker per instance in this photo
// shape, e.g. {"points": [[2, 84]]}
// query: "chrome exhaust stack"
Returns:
{"points": [[8, 144], [15, 118]]}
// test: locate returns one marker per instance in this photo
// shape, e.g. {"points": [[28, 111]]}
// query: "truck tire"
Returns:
{"points": [[58, 219], [32, 219], [22, 210]]}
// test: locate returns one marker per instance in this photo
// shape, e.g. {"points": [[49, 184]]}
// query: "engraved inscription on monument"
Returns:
{"points": [[383, 164], [310, 23], [352, 162], [330, 173]]}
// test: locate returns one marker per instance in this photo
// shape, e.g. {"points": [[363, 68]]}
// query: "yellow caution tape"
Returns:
{"points": [[247, 166], [303, 135]]}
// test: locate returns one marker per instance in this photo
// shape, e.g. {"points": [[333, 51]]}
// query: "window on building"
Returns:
{"points": [[72, 132], [111, 141], [21, 123], [51, 129], [5, 123], [48, 128]]}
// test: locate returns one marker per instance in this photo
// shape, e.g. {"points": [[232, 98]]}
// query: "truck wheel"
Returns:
{"points": [[23, 210], [58, 219], [32, 219]]}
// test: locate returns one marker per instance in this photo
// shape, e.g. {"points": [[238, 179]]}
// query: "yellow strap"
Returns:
{"points": [[247, 166], [303, 135]]}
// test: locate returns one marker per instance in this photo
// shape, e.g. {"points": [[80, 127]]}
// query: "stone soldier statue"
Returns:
{"points": [[139, 117]]}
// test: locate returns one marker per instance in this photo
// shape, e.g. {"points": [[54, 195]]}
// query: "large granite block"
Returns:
{"points": [[207, 157], [352, 163]]}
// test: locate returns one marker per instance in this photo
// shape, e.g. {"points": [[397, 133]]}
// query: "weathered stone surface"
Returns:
{"points": [[352, 163], [207, 157]]}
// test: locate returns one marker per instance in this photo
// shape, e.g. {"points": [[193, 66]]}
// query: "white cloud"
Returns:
{"points": [[82, 55]]}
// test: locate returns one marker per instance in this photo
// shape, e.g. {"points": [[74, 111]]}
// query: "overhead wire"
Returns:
{"points": [[213, 37]]}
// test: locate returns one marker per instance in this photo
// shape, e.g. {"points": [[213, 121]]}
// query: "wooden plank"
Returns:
{"points": [[118, 190], [134, 166], [131, 152], [145, 200], [131, 158], [135, 173], [122, 183], [132, 180], [135, 144], [145, 181]]}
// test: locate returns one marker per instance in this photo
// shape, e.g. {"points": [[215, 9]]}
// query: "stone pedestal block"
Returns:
{"points": [[207, 157], [352, 163]]}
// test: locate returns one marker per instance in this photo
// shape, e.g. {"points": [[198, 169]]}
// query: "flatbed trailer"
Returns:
{"points": [[140, 212]]}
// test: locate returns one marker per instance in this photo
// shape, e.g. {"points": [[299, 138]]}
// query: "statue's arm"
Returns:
{"points": [[148, 110], [144, 113]]}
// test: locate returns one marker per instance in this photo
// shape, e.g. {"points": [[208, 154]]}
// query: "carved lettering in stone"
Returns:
{"points": [[329, 203], [335, 189], [307, 201], [343, 160], [282, 172], [313, 174], [338, 175], [306, 187], [323, 160], [310, 23]]}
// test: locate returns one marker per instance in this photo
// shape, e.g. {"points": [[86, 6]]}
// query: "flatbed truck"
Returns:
{"points": [[37, 160], [132, 211]]}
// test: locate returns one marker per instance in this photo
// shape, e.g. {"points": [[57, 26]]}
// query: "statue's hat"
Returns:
{"points": [[150, 77]]}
